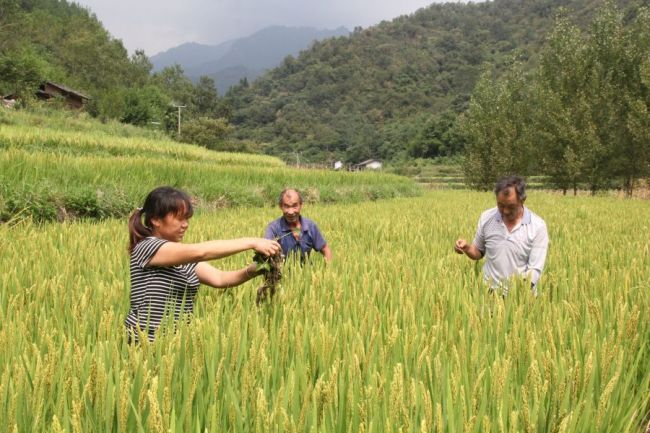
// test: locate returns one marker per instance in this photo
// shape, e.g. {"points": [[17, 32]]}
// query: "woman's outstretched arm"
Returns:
{"points": [[175, 253], [211, 276]]}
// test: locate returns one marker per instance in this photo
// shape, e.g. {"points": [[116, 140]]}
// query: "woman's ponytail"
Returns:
{"points": [[137, 230]]}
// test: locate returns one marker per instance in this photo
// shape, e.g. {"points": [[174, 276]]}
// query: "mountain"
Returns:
{"points": [[248, 57], [189, 55], [391, 89]]}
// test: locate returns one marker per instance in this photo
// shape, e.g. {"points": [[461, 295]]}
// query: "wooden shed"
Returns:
{"points": [[73, 98]]}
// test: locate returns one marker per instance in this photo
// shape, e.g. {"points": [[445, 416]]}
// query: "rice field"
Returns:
{"points": [[396, 335], [77, 168]]}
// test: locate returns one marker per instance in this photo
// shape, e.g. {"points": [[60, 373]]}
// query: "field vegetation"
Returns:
{"points": [[62, 166], [396, 335]]}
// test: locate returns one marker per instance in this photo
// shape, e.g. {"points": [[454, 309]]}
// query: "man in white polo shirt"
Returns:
{"points": [[513, 239]]}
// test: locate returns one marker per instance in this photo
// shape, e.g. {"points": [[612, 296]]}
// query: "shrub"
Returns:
{"points": [[206, 132]]}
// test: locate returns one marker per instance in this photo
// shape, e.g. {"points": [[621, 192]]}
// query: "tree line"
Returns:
{"points": [[581, 116], [395, 90]]}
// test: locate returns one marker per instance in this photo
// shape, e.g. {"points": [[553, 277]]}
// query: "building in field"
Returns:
{"points": [[369, 164], [72, 98]]}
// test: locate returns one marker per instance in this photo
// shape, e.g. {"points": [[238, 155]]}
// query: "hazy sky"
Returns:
{"points": [[156, 25]]}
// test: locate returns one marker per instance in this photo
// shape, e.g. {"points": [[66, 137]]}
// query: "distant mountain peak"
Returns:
{"points": [[248, 57]]}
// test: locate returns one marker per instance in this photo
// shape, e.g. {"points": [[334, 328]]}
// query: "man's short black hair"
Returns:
{"points": [[285, 191], [506, 182]]}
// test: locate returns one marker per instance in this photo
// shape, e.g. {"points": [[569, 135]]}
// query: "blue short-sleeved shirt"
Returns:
{"points": [[310, 236]]}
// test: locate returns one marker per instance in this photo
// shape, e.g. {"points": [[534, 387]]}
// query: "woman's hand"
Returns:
{"points": [[267, 247]]}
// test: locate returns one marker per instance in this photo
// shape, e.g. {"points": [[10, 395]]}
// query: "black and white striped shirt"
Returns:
{"points": [[157, 291]]}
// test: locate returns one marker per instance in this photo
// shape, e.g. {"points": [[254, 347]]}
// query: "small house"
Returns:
{"points": [[72, 98]]}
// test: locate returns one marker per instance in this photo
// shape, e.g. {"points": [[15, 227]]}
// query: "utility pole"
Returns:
{"points": [[179, 117]]}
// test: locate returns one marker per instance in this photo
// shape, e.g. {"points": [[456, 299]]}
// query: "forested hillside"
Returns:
{"points": [[62, 42], [394, 89]]}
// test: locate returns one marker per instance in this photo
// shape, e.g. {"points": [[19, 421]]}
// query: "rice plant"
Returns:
{"points": [[396, 334], [78, 170]]}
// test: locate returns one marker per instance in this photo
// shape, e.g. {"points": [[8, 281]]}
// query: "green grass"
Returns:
{"points": [[65, 167], [397, 334]]}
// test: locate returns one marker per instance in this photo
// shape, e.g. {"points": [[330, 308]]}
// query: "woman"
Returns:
{"points": [[165, 273]]}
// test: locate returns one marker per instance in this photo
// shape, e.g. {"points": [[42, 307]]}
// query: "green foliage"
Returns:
{"points": [[175, 84], [63, 42], [134, 105], [392, 91], [580, 117], [396, 334], [141, 68], [566, 133], [394, 88], [87, 58], [65, 167], [67, 123], [144, 105], [42, 202], [36, 45], [206, 132], [438, 137], [496, 131], [21, 72], [205, 97]]}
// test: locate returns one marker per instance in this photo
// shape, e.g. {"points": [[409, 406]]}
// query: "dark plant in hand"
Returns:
{"points": [[271, 267]]}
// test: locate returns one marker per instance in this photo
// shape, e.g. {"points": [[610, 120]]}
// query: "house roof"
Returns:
{"points": [[368, 161], [67, 89]]}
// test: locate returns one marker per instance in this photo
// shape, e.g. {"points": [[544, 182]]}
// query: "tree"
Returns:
{"points": [[581, 117], [568, 143], [206, 132], [175, 84], [437, 137], [618, 57], [8, 22], [206, 100], [140, 68], [21, 72], [593, 122], [144, 105], [425, 63], [496, 129]]}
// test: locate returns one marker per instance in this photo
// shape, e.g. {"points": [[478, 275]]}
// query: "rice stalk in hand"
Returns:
{"points": [[271, 267]]}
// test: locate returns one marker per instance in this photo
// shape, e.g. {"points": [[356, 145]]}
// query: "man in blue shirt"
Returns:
{"points": [[296, 234]]}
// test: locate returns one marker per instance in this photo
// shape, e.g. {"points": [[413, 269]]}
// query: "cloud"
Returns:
{"points": [[158, 25]]}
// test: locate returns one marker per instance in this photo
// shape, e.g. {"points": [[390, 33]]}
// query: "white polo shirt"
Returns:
{"points": [[521, 251]]}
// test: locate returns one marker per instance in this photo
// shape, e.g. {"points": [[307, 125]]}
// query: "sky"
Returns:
{"points": [[157, 25]]}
